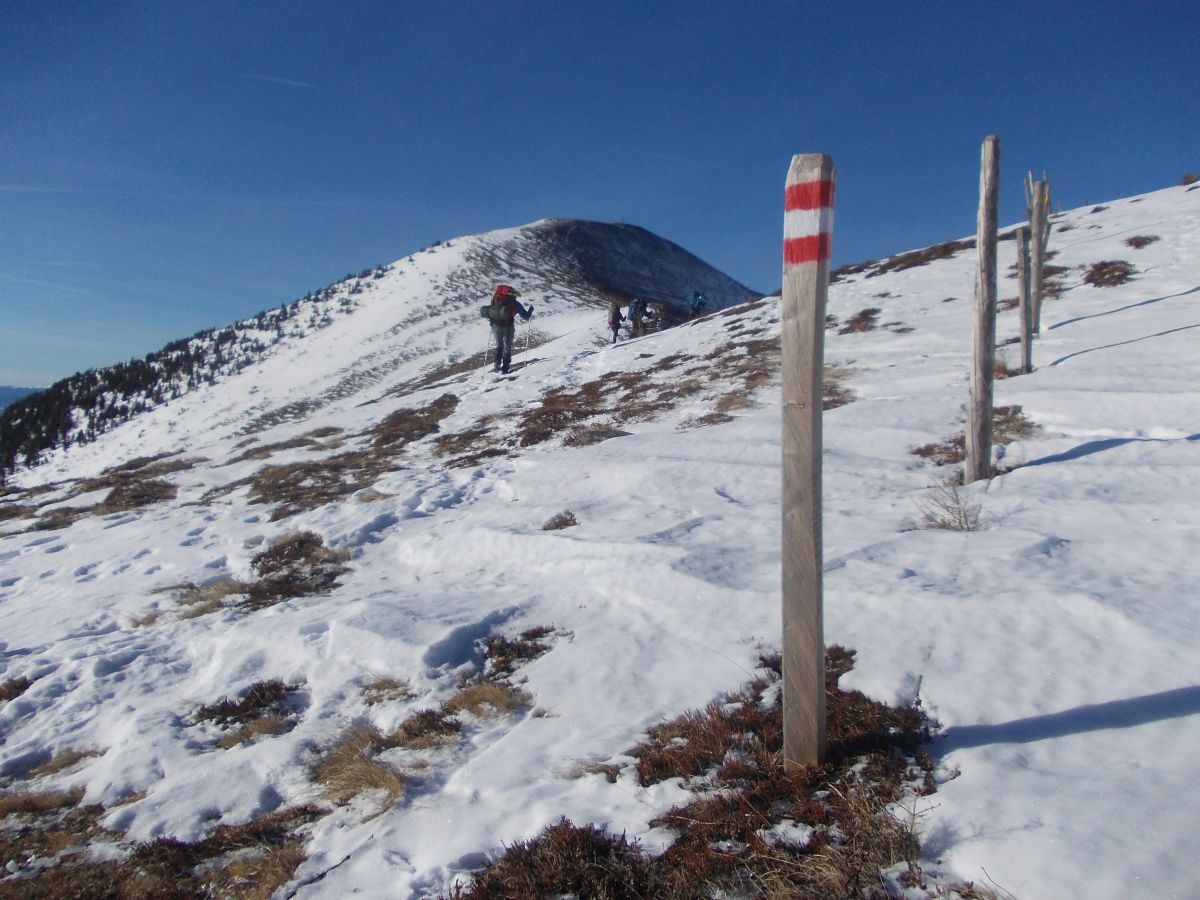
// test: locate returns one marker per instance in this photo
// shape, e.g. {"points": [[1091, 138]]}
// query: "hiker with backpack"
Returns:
{"points": [[615, 318], [502, 313], [637, 311], [696, 305]]}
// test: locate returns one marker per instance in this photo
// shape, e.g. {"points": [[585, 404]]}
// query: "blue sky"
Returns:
{"points": [[169, 166]]}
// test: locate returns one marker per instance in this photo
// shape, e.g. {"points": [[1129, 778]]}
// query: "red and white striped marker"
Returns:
{"points": [[808, 214]]}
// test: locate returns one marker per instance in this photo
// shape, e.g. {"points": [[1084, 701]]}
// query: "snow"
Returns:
{"points": [[1056, 646]]}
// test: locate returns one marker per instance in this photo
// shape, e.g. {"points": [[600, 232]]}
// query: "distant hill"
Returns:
{"points": [[9, 394]]}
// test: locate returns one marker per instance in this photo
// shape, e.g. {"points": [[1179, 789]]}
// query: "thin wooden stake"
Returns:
{"points": [[808, 227], [979, 414], [1039, 225], [1024, 298]]}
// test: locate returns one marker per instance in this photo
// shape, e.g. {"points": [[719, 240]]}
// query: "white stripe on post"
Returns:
{"points": [[807, 233]]}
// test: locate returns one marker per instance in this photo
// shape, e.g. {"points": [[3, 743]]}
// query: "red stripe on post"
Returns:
{"points": [[809, 195], [805, 249]]}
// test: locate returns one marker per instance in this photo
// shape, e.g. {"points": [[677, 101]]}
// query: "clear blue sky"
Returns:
{"points": [[171, 166]]}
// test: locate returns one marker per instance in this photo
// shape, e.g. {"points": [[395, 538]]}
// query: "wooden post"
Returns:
{"points": [[979, 414], [1039, 225], [807, 234], [1025, 300]]}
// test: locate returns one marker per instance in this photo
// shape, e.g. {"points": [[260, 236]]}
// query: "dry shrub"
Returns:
{"points": [[1008, 424], [1052, 281], [296, 565], [223, 864], [835, 392], [37, 802], [565, 860], [270, 724], [60, 762], [1138, 241], [407, 425], [504, 655], [560, 520], [297, 487], [903, 261], [261, 699], [13, 688], [348, 769], [1009, 303], [1189, 178], [484, 698], [424, 729], [200, 601], [863, 320], [1109, 273], [385, 689], [1001, 369], [10, 511], [729, 755], [946, 507]]}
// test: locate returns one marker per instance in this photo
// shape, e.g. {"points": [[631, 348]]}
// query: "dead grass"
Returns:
{"points": [[505, 655], [200, 601], [60, 762], [37, 802], [1109, 273], [424, 729], [349, 768], [269, 725], [486, 698], [244, 861], [296, 565], [385, 689], [407, 425], [13, 688], [1009, 423], [264, 709], [1138, 241], [564, 519], [863, 320], [729, 755]]}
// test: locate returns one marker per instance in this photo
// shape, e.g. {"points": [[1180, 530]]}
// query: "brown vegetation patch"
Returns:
{"points": [[407, 425], [1138, 241], [385, 689], [349, 768], [10, 511], [863, 320], [504, 655], [558, 521], [201, 600], [729, 755], [1008, 424], [424, 729], [265, 709], [311, 439], [296, 565], [485, 697], [1109, 273], [903, 261], [60, 762], [247, 861], [12, 688]]}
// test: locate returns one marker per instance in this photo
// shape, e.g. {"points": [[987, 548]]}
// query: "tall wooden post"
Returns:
{"points": [[807, 234], [1025, 300], [979, 414], [1039, 225]]}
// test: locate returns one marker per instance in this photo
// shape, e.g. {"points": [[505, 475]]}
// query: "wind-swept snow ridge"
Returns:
{"points": [[1055, 644]]}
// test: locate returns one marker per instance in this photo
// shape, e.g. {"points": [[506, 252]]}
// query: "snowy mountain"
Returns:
{"points": [[363, 615]]}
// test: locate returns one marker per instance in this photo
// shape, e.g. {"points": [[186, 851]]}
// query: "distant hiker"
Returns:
{"points": [[502, 312], [637, 312], [615, 318], [696, 305]]}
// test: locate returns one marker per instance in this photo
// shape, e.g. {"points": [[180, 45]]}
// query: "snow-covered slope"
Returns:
{"points": [[1054, 645]]}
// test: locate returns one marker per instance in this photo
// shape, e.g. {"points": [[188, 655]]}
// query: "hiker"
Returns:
{"points": [[637, 311], [503, 314], [696, 305], [615, 318]]}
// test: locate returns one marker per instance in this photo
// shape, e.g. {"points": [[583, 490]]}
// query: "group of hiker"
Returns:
{"points": [[504, 309]]}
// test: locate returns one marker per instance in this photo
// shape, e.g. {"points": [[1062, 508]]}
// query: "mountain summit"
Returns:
{"points": [[371, 333]]}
